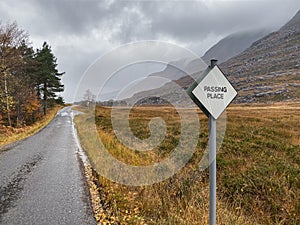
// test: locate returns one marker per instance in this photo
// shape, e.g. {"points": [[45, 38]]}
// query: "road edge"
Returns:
{"points": [[10, 145]]}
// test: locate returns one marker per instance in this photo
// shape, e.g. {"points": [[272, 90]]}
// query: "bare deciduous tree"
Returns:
{"points": [[89, 98], [11, 38]]}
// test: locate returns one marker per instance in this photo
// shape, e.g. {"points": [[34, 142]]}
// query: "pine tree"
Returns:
{"points": [[49, 79], [27, 103]]}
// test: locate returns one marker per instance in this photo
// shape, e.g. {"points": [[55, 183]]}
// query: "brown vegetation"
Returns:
{"points": [[11, 134], [28, 79], [258, 170]]}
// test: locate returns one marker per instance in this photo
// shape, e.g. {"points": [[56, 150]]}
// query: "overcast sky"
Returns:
{"points": [[80, 31]]}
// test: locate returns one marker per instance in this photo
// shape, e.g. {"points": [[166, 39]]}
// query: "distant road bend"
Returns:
{"points": [[41, 181]]}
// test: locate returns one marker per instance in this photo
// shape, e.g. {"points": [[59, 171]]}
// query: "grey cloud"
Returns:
{"points": [[195, 20], [61, 17], [126, 21], [67, 17], [80, 31], [132, 25]]}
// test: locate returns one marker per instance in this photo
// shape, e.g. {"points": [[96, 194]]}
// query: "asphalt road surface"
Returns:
{"points": [[41, 181]]}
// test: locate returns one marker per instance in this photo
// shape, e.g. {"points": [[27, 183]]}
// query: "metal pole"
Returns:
{"points": [[213, 62], [212, 165], [212, 171]]}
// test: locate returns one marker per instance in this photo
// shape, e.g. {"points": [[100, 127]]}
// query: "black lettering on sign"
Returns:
{"points": [[215, 92], [215, 96], [215, 89]]}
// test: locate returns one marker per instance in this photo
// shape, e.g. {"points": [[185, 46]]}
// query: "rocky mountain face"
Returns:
{"points": [[269, 70], [223, 50], [233, 44]]}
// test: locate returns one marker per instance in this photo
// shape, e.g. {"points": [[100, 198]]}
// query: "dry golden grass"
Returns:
{"points": [[9, 135], [258, 169]]}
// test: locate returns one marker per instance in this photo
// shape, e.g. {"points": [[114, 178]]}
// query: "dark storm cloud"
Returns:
{"points": [[195, 20], [79, 31], [131, 20], [124, 21], [67, 17]]}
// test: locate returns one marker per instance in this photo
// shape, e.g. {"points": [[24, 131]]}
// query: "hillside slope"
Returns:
{"points": [[233, 44], [180, 68], [269, 69]]}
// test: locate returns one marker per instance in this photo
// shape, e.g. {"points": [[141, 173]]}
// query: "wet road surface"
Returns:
{"points": [[41, 181]]}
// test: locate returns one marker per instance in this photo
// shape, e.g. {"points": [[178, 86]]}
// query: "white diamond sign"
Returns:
{"points": [[214, 92]]}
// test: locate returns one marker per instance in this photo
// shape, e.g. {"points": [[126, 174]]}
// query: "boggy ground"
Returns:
{"points": [[257, 178]]}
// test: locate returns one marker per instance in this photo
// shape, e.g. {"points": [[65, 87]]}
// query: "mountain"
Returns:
{"points": [[233, 44], [180, 68], [223, 50], [269, 69]]}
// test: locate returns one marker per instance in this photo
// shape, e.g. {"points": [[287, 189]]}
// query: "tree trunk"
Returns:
{"points": [[45, 98], [7, 100], [18, 113]]}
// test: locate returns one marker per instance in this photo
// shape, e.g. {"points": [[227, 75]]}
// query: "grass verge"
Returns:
{"points": [[258, 169], [10, 134]]}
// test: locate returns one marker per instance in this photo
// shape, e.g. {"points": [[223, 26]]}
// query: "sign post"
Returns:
{"points": [[212, 92], [212, 171]]}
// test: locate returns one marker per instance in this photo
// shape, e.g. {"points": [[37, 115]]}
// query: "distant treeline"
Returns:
{"points": [[29, 78]]}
